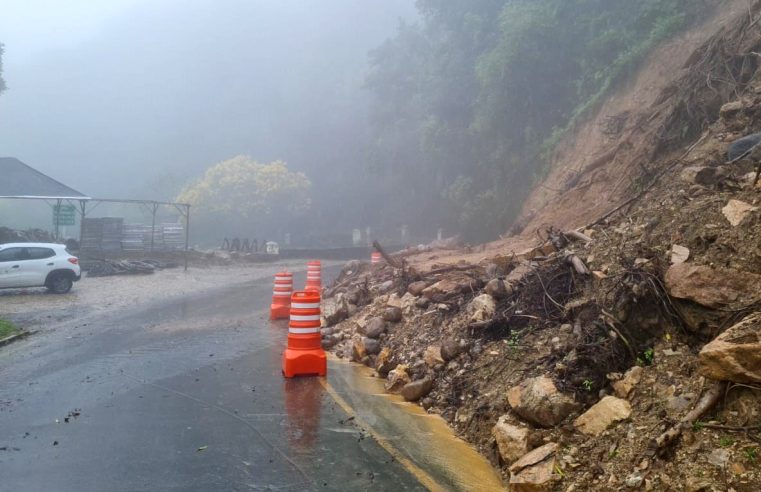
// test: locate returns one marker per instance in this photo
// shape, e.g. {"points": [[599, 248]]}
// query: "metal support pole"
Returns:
{"points": [[154, 208], [82, 213], [57, 215], [187, 234]]}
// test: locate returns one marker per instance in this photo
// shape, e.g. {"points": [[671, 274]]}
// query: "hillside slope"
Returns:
{"points": [[621, 355]]}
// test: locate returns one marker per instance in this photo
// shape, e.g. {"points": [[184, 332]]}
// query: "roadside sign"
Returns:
{"points": [[64, 215]]}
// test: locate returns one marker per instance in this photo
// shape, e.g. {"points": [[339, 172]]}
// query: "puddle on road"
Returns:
{"points": [[423, 439]]}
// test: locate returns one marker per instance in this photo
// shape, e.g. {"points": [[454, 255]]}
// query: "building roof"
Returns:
{"points": [[17, 180]]}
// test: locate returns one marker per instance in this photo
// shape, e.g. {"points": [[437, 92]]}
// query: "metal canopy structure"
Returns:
{"points": [[18, 181]]}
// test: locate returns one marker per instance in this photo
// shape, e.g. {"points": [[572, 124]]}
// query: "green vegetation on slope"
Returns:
{"points": [[470, 101]]}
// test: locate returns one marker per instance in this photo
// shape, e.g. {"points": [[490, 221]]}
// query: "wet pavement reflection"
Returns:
{"points": [[189, 395]]}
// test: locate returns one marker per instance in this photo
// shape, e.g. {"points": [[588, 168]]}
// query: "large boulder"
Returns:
{"points": [[602, 415], [384, 363], [392, 314], [735, 355], [703, 175], [742, 145], [432, 356], [482, 308], [498, 289], [417, 288], [373, 328], [450, 349], [372, 346], [335, 309], [535, 471], [417, 389], [512, 440], [449, 287], [397, 379], [713, 287], [538, 401]]}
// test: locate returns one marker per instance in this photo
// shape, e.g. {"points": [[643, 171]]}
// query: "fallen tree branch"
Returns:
{"points": [[577, 264], [731, 428], [389, 259], [452, 268], [579, 236], [706, 403]]}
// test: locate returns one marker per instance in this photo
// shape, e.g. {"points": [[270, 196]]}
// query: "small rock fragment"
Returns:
{"points": [[624, 386], [535, 470], [432, 356], [512, 440], [679, 254], [602, 415], [736, 210], [719, 457]]}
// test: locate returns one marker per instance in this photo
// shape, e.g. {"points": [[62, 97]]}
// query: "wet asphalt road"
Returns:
{"points": [[182, 395]]}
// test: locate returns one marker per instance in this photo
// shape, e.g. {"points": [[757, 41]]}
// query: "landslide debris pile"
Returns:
{"points": [[621, 355]]}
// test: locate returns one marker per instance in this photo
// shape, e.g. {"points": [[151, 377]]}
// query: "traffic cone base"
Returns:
{"points": [[279, 311], [304, 363]]}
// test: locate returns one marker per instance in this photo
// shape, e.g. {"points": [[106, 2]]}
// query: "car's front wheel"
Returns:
{"points": [[60, 284]]}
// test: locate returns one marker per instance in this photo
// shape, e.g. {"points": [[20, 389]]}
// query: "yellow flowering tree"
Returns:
{"points": [[241, 187]]}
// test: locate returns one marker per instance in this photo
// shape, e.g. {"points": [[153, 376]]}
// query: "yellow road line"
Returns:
{"points": [[421, 475]]}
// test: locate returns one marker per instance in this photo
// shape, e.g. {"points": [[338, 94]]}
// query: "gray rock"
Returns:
{"points": [[372, 346], [537, 400], [422, 302], [496, 288], [634, 480], [719, 457], [329, 342], [417, 389], [735, 355], [392, 314], [373, 328], [450, 349], [417, 288], [742, 145], [512, 440]]}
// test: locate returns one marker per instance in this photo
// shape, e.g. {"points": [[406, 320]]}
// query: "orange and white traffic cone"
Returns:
{"points": [[375, 258], [304, 355], [314, 276], [281, 296]]}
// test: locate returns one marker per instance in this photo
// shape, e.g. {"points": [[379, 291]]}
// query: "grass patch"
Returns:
{"points": [[7, 329]]}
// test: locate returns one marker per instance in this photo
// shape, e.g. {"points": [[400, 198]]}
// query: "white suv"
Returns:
{"points": [[38, 265]]}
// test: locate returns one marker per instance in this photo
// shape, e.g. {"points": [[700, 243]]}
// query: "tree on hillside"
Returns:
{"points": [[471, 100], [253, 195]]}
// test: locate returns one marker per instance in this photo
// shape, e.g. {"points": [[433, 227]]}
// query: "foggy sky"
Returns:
{"points": [[128, 98]]}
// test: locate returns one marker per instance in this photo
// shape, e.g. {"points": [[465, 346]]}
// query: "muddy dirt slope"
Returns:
{"points": [[614, 344]]}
